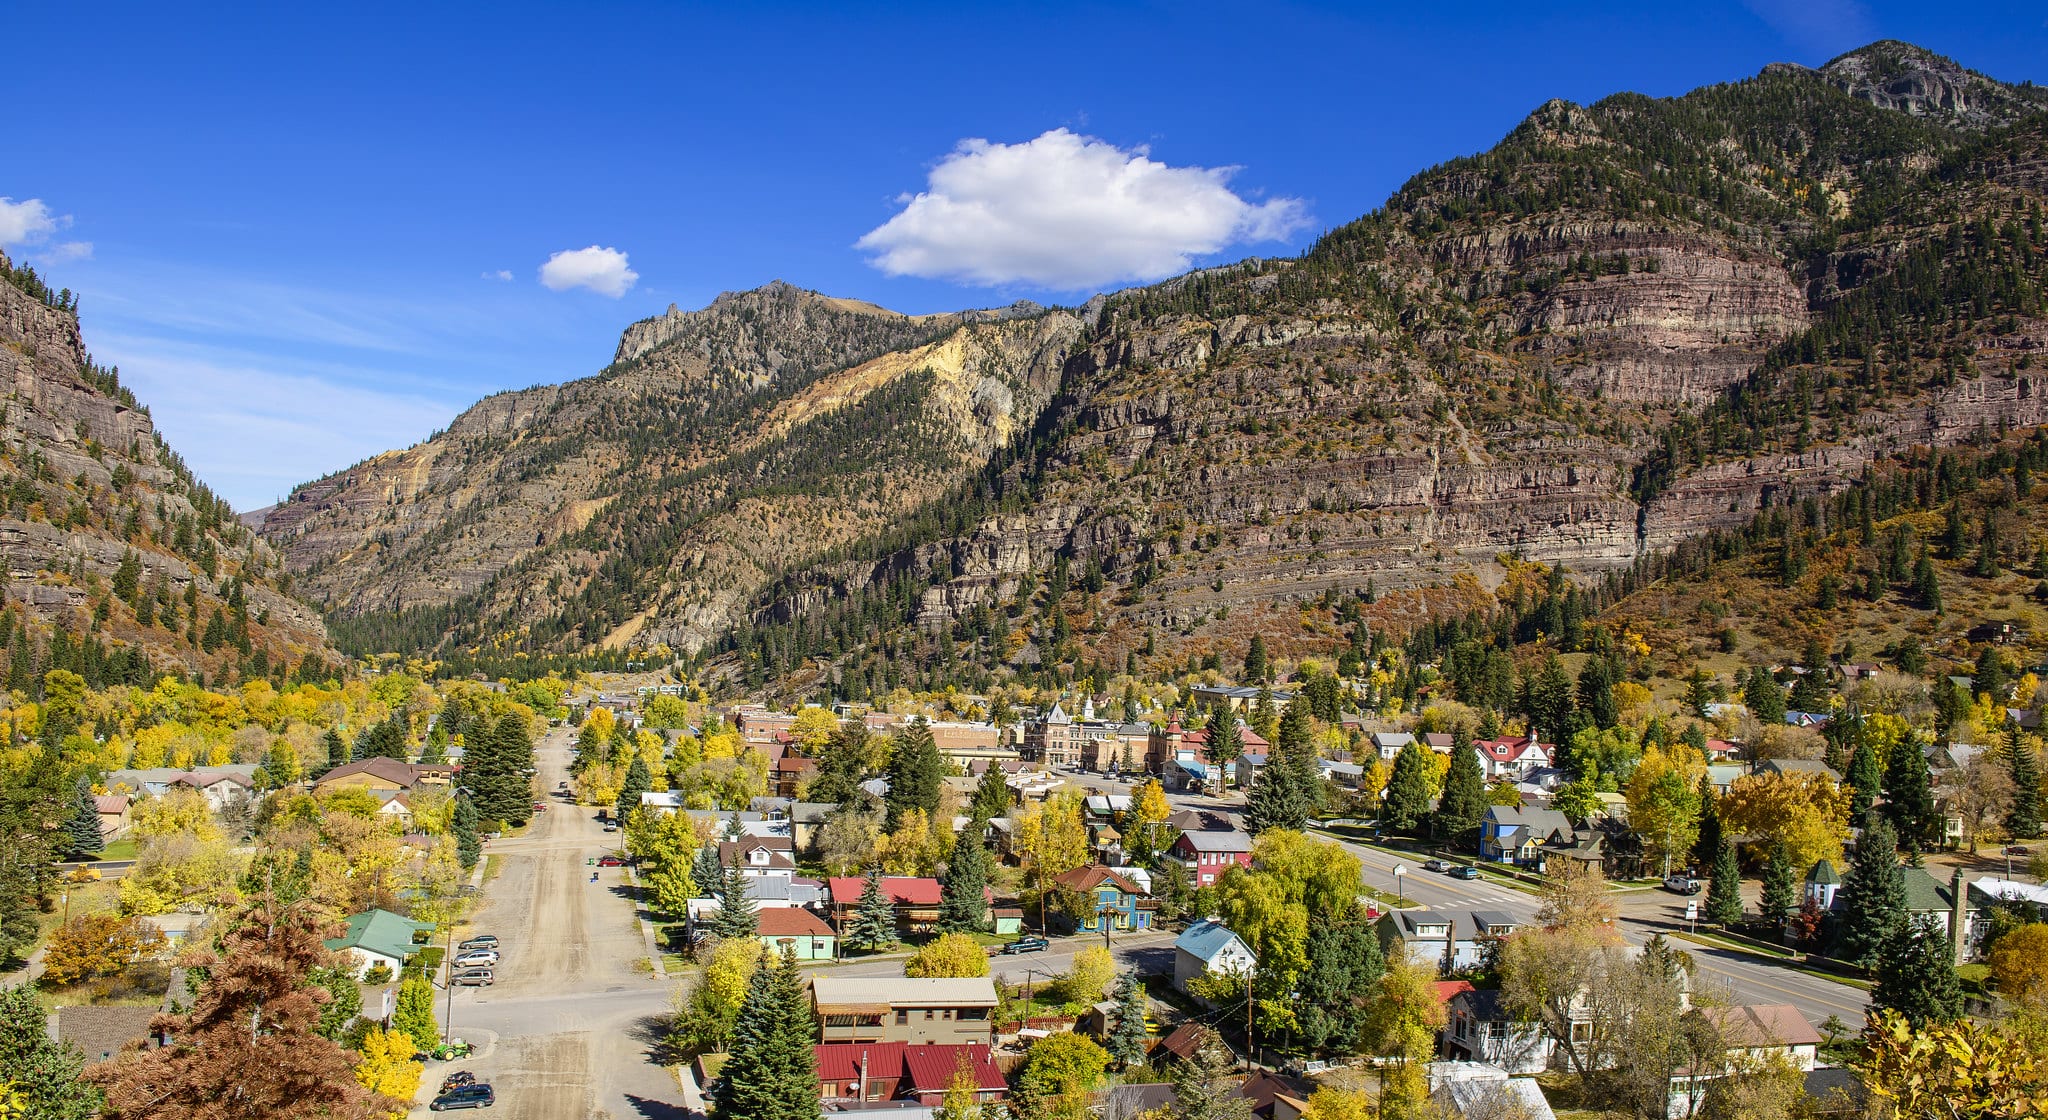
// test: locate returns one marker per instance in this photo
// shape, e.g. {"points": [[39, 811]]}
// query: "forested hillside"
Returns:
{"points": [[119, 562], [1627, 326]]}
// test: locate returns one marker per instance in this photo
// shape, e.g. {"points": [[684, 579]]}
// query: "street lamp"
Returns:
{"points": [[1400, 888]]}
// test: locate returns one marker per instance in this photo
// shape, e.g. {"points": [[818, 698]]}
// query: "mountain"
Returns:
{"points": [[118, 560], [1626, 325]]}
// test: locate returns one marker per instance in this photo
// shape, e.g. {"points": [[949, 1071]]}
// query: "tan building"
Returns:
{"points": [[387, 774], [903, 1009]]}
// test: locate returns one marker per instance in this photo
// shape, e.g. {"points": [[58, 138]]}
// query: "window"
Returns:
{"points": [[928, 1014], [902, 1016], [971, 1014]]}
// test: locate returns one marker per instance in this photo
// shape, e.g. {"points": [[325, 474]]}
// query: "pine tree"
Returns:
{"points": [[638, 781], [1256, 668], [82, 827], [963, 907], [1916, 975], [1724, 887], [1127, 1037], [1226, 743], [468, 845], [495, 767], [1909, 799], [1596, 693], [991, 796], [1277, 799], [1926, 587], [874, 918], [1406, 802], [706, 872], [1344, 965], [39, 1073], [1872, 899], [736, 917], [916, 771], [337, 751], [771, 1070], [1781, 886], [1463, 803], [1708, 844], [1866, 780], [2023, 818]]}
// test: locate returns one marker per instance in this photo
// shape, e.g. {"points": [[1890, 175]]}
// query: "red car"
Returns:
{"points": [[539, 807], [611, 861]]}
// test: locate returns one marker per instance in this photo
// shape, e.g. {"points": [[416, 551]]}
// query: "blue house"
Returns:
{"points": [[1111, 896]]}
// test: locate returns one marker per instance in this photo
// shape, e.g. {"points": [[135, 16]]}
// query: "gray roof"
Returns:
{"points": [[102, 1032], [1205, 939], [1218, 840], [1475, 1097], [1543, 821], [903, 989]]}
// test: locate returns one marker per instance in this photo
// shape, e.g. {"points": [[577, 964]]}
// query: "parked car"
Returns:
{"points": [[1466, 872], [1029, 943], [457, 1080], [465, 1096], [540, 807], [1436, 865], [1681, 884], [611, 826], [610, 861], [474, 976], [472, 957], [480, 941]]}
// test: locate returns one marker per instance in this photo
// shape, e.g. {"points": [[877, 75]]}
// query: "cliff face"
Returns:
{"points": [[86, 481], [1627, 324]]}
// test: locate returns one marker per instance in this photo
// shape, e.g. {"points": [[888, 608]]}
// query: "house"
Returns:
{"points": [[100, 1033], [1112, 896], [1478, 1027], [1514, 834], [798, 930], [222, 785], [1348, 775], [1955, 908], [113, 813], [2000, 631], [1439, 741], [1721, 776], [371, 774], [759, 857], [1484, 1091], [903, 1009], [1233, 697], [1447, 939], [1248, 766], [1207, 853], [1208, 946], [1513, 757], [1389, 743], [1750, 1035], [890, 1071], [789, 772], [805, 819], [1798, 766], [1276, 1096], [916, 900], [396, 809], [377, 937]]}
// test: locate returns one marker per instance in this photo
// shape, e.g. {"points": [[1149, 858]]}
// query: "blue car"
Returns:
{"points": [[465, 1096]]}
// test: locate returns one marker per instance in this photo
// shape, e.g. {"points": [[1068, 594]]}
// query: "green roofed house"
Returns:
{"points": [[377, 937]]}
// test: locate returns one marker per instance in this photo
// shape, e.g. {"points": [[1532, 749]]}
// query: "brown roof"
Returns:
{"points": [[389, 769], [789, 921], [102, 1032], [1085, 879], [1762, 1025], [110, 804]]}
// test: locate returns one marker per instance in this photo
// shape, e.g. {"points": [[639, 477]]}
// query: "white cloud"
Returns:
{"points": [[29, 222], [601, 270], [1069, 212], [66, 251], [500, 274]]}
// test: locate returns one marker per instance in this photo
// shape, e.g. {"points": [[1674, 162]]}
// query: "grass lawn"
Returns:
{"points": [[123, 848]]}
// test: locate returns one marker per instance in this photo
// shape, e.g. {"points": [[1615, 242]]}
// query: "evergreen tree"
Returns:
{"points": [[82, 826], [1781, 886], [1332, 1002], [1872, 899], [1406, 802], [1707, 847], [1909, 798], [1281, 797], [963, 908], [1127, 1038], [40, 1073], [916, 771], [874, 917], [705, 871], [1926, 587], [1464, 801], [1547, 701], [1916, 975], [2023, 818], [771, 1072], [495, 767], [1596, 693], [637, 782], [1724, 886], [736, 917], [1256, 668], [1764, 697], [1866, 780], [469, 846], [337, 751], [991, 796], [1226, 743]]}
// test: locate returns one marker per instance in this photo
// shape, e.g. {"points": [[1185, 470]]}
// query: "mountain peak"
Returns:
{"points": [[1914, 80]]}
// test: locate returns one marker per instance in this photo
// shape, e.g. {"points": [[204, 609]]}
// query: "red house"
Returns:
{"points": [[916, 900], [888, 1071], [1209, 852]]}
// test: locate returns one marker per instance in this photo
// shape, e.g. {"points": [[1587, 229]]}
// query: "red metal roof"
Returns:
{"points": [[925, 1066], [902, 890]]}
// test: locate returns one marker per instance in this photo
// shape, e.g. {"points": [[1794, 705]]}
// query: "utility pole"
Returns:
{"points": [[448, 1017]]}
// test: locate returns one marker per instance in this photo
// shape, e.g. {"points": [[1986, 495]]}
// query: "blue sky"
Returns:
{"points": [[311, 233]]}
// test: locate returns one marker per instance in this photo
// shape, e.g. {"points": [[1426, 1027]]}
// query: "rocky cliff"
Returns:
{"points": [[1627, 324], [89, 487]]}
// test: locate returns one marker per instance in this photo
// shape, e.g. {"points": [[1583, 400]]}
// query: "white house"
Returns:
{"points": [[1208, 946]]}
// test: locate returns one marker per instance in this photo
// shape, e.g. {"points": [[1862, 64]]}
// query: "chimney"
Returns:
{"points": [[1450, 945], [1958, 916]]}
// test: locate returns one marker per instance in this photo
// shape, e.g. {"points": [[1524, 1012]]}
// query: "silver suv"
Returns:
{"points": [[473, 978]]}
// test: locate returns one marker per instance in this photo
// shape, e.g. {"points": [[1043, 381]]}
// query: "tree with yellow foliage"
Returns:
{"points": [[948, 955], [813, 728], [911, 849], [181, 856], [387, 1066], [1329, 1102], [1664, 801], [1804, 811], [1051, 840]]}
